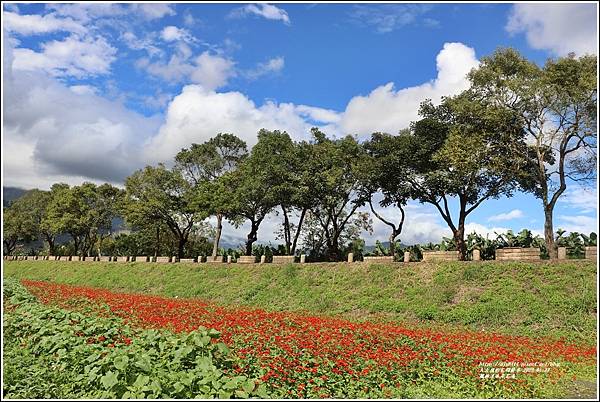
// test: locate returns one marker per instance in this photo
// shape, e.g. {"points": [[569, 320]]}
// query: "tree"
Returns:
{"points": [[30, 209], [460, 149], [252, 189], [18, 226], [204, 165], [383, 171], [557, 107], [336, 183], [106, 207], [68, 212], [288, 173], [156, 195]]}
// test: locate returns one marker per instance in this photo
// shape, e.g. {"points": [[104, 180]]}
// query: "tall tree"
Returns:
{"points": [[106, 208], [557, 107], [336, 185], [460, 149], [19, 226], [383, 171], [157, 194], [69, 212], [252, 188], [204, 165]]}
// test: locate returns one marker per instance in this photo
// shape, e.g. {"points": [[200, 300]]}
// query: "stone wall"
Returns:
{"points": [[217, 259], [518, 254], [590, 253], [283, 259], [121, 259], [104, 258], [379, 258], [141, 258], [440, 256], [163, 259], [246, 259], [187, 260]]}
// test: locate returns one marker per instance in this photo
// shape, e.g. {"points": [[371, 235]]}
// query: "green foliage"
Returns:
{"points": [[557, 106], [53, 353], [158, 196]]}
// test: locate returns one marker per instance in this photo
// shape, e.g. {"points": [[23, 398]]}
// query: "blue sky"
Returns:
{"points": [[93, 92]]}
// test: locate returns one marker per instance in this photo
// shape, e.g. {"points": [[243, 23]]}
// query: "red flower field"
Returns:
{"points": [[308, 356]]}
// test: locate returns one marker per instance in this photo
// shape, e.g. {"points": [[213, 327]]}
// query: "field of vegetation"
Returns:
{"points": [[314, 330]]}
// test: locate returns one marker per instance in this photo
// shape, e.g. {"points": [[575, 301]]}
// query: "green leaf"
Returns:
{"points": [[109, 380], [121, 362]]}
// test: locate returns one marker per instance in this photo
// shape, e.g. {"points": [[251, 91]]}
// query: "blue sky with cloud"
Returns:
{"points": [[95, 91]]}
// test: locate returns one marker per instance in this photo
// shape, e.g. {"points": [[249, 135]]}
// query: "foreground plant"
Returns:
{"points": [[54, 353]]}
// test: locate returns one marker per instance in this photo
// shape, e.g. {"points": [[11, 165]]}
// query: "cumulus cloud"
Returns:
{"points": [[172, 33], [53, 132], [388, 110], [507, 216], [198, 114], [210, 70], [35, 24], [559, 28], [264, 10], [152, 11], [75, 56]]}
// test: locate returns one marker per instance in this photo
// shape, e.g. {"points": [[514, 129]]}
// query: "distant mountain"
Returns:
{"points": [[10, 194]]}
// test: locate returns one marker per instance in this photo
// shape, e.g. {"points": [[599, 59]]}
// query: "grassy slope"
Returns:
{"points": [[546, 299]]}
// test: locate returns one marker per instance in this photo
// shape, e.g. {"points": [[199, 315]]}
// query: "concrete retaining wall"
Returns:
{"points": [[440, 255], [517, 254]]}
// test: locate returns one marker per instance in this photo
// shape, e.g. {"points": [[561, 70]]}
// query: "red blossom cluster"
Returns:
{"points": [[284, 344]]}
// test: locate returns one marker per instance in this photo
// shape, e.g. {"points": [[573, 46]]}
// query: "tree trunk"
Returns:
{"points": [[75, 244], [251, 237], [9, 246], [393, 244], [298, 230], [287, 236], [50, 240], [181, 245], [549, 233], [157, 245], [333, 249], [459, 233], [217, 235]]}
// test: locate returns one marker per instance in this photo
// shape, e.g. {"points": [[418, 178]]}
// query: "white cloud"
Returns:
{"points": [[209, 70], [152, 11], [273, 65], [507, 216], [585, 200], [135, 43], [78, 57], [389, 110], [198, 114], [577, 223], [559, 28], [39, 24], [172, 33], [83, 89], [267, 11], [86, 12], [389, 17], [53, 132], [212, 71]]}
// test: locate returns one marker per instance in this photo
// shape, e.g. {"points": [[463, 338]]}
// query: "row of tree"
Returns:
{"points": [[519, 127]]}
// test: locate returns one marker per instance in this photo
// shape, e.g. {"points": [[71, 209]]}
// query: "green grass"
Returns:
{"points": [[536, 299]]}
